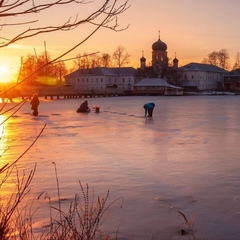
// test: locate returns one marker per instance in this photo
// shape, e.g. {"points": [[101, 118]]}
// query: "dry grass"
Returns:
{"points": [[190, 225], [81, 220]]}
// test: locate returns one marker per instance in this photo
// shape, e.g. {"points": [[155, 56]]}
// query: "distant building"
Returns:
{"points": [[156, 86], [159, 78], [200, 77], [232, 81], [102, 80], [121, 81]]}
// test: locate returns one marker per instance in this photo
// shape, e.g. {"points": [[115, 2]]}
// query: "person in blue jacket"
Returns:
{"points": [[149, 109]]}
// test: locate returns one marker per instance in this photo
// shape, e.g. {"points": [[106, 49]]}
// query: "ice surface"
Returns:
{"points": [[185, 158]]}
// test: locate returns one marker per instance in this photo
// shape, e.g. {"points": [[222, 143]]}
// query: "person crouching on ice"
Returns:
{"points": [[149, 109], [84, 107]]}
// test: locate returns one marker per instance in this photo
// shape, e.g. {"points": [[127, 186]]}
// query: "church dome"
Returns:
{"points": [[159, 46], [175, 60], [143, 59]]}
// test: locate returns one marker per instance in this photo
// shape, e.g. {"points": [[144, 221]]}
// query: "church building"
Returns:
{"points": [[152, 79], [160, 60]]}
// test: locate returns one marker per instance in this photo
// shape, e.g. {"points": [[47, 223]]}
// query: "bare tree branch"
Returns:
{"points": [[104, 21], [33, 8], [38, 136], [109, 10]]}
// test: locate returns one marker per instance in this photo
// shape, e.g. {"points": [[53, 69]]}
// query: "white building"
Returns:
{"points": [[199, 76], [102, 80]]}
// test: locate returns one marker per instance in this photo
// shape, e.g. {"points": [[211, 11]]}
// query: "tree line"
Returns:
{"points": [[57, 70], [32, 70], [221, 59], [119, 58]]}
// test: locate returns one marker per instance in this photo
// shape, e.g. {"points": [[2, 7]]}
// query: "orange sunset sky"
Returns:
{"points": [[190, 28]]}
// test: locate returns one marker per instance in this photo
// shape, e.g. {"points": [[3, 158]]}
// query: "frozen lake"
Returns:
{"points": [[185, 158]]}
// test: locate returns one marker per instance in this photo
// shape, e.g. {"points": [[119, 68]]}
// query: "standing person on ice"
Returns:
{"points": [[35, 102], [149, 109]]}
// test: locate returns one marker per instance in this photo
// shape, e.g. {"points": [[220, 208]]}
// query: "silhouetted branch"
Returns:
{"points": [[109, 10], [112, 11], [21, 104]]}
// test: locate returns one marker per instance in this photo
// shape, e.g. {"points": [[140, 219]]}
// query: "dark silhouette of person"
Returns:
{"points": [[35, 102], [149, 109], [84, 107]]}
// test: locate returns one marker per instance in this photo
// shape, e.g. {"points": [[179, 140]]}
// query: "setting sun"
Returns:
{"points": [[6, 73]]}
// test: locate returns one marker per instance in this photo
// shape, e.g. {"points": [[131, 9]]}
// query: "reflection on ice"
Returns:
{"points": [[184, 158]]}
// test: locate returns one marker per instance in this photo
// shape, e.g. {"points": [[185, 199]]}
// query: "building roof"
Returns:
{"points": [[202, 67], [103, 71], [158, 82], [234, 73]]}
